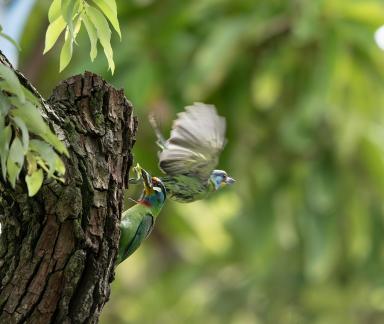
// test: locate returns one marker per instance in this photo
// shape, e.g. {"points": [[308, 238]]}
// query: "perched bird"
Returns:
{"points": [[137, 222], [189, 157]]}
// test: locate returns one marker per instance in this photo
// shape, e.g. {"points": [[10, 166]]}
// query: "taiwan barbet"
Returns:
{"points": [[189, 157], [137, 222]]}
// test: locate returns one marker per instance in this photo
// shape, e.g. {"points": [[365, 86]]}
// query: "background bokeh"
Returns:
{"points": [[299, 238]]}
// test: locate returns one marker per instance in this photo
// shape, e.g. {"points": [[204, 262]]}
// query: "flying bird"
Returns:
{"points": [[137, 222], [189, 157]]}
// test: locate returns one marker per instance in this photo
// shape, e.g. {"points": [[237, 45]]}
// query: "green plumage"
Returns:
{"points": [[136, 224], [186, 188]]}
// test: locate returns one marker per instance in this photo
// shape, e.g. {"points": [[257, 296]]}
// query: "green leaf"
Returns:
{"points": [[4, 105], [31, 162], [5, 86], [67, 8], [59, 166], [13, 82], [54, 11], [92, 34], [52, 139], [30, 115], [53, 32], [24, 131], [77, 27], [34, 182], [47, 153], [35, 124], [108, 7], [31, 97], [103, 32], [112, 5], [66, 51], [15, 161], [5, 138]]}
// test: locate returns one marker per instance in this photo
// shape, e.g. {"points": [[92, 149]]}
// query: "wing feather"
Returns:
{"points": [[196, 141], [142, 232]]}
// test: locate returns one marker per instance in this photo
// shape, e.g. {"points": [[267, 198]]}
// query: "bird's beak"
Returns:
{"points": [[147, 181], [230, 180]]}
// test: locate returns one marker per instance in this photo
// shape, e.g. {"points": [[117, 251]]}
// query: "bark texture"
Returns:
{"points": [[57, 249]]}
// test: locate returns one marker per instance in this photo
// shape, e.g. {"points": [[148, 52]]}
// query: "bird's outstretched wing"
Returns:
{"points": [[197, 139]]}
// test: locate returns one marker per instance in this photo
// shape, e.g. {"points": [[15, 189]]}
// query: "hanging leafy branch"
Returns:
{"points": [[25, 139], [24, 136], [68, 16]]}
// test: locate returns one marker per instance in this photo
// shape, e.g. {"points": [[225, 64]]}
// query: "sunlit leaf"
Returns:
{"points": [[52, 139], [11, 79], [34, 182], [31, 162], [92, 34], [35, 124], [77, 28], [47, 153], [53, 32], [31, 97], [59, 166], [4, 104], [54, 10], [15, 161], [108, 7], [103, 33], [5, 138], [66, 52], [24, 132], [31, 117], [67, 9]]}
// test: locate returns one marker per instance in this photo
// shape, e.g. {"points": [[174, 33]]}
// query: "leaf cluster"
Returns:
{"points": [[25, 138], [68, 16]]}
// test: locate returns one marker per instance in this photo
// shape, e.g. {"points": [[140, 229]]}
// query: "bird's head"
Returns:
{"points": [[154, 193], [219, 179]]}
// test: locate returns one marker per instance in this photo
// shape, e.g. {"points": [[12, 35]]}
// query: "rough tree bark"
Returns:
{"points": [[57, 249]]}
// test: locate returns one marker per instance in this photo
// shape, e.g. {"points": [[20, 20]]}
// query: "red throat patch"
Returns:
{"points": [[145, 203]]}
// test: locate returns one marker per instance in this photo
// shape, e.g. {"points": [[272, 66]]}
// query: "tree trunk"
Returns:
{"points": [[58, 248]]}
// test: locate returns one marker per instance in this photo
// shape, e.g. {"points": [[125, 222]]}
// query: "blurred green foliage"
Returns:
{"points": [[299, 238]]}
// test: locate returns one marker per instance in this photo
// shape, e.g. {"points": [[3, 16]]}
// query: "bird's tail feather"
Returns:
{"points": [[160, 138]]}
